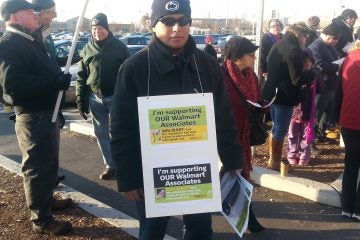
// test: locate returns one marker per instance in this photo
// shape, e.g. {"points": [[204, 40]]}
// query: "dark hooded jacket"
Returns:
{"points": [[168, 75]]}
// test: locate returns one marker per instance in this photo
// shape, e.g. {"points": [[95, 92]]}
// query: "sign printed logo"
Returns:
{"points": [[172, 6]]}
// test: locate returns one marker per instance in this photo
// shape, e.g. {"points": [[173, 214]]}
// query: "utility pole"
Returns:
{"points": [[259, 27]]}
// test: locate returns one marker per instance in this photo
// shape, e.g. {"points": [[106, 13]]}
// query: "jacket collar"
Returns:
{"points": [[164, 60], [14, 28]]}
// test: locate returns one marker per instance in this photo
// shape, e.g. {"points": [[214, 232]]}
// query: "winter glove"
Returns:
{"points": [[83, 109], [61, 120], [63, 82]]}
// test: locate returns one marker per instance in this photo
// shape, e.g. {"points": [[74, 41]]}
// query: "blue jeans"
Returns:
{"points": [[281, 116], [38, 140], [196, 226], [100, 109]]}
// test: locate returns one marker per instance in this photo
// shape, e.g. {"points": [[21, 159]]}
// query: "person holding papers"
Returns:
{"points": [[242, 84], [171, 64], [286, 74], [325, 54]]}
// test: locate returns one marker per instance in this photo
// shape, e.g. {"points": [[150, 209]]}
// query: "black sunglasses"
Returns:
{"points": [[170, 21]]}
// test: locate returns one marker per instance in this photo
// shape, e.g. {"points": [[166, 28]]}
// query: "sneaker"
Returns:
{"points": [[53, 228], [61, 204], [356, 217], [303, 162], [331, 135], [292, 161], [346, 214], [108, 174]]}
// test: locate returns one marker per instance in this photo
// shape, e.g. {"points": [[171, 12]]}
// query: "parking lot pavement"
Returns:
{"points": [[315, 191], [286, 216]]}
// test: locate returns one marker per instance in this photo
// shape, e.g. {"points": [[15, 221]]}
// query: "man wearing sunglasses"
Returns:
{"points": [[171, 64]]}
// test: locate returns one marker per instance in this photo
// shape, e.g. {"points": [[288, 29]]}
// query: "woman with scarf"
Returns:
{"points": [[272, 34], [242, 84]]}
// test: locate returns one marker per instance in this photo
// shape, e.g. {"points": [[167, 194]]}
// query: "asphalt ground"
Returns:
{"points": [[286, 216]]}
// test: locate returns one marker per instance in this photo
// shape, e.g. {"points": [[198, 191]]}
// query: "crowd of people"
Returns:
{"points": [[301, 74]]}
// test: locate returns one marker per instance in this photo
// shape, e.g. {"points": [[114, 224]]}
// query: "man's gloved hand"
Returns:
{"points": [[61, 120], [83, 109], [63, 82]]}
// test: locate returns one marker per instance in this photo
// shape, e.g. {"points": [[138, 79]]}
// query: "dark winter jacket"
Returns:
{"points": [[324, 56], [285, 72], [99, 67], [267, 41], [27, 74], [168, 75], [209, 49], [346, 35]]}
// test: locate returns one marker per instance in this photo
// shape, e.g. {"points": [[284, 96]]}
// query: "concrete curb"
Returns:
{"points": [[114, 217], [315, 191]]}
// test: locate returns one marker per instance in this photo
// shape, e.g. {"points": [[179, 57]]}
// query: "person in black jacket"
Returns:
{"points": [[345, 23], [31, 81], [286, 74], [324, 51], [95, 83], [171, 64], [209, 48]]}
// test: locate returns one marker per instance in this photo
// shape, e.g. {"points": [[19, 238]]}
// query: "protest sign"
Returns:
{"points": [[179, 154]]}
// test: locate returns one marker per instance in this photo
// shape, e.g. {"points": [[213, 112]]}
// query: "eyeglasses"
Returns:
{"points": [[170, 21], [274, 26]]}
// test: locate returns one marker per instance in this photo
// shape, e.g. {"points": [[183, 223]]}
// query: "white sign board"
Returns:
{"points": [[179, 154]]}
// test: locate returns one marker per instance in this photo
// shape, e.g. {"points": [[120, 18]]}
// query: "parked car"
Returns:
{"points": [[134, 43], [220, 46], [200, 41], [134, 40], [62, 50], [135, 48]]}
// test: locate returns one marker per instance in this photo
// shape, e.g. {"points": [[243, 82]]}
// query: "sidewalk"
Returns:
{"points": [[312, 190], [90, 205]]}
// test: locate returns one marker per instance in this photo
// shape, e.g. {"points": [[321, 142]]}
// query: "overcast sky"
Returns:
{"points": [[132, 10]]}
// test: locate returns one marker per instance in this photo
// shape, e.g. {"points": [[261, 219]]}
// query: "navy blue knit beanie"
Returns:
{"points": [[161, 8], [42, 4]]}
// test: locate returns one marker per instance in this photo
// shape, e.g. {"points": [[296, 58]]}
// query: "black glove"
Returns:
{"points": [[83, 109], [63, 82], [61, 120]]}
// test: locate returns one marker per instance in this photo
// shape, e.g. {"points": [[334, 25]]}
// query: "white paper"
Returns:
{"points": [[179, 154], [348, 46], [339, 61], [265, 106], [236, 195]]}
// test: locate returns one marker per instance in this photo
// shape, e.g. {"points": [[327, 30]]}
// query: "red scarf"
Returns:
{"points": [[245, 81]]}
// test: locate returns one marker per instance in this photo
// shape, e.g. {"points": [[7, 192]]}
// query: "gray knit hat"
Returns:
{"points": [[13, 6]]}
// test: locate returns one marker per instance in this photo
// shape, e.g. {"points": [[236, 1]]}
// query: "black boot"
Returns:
{"points": [[253, 225]]}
